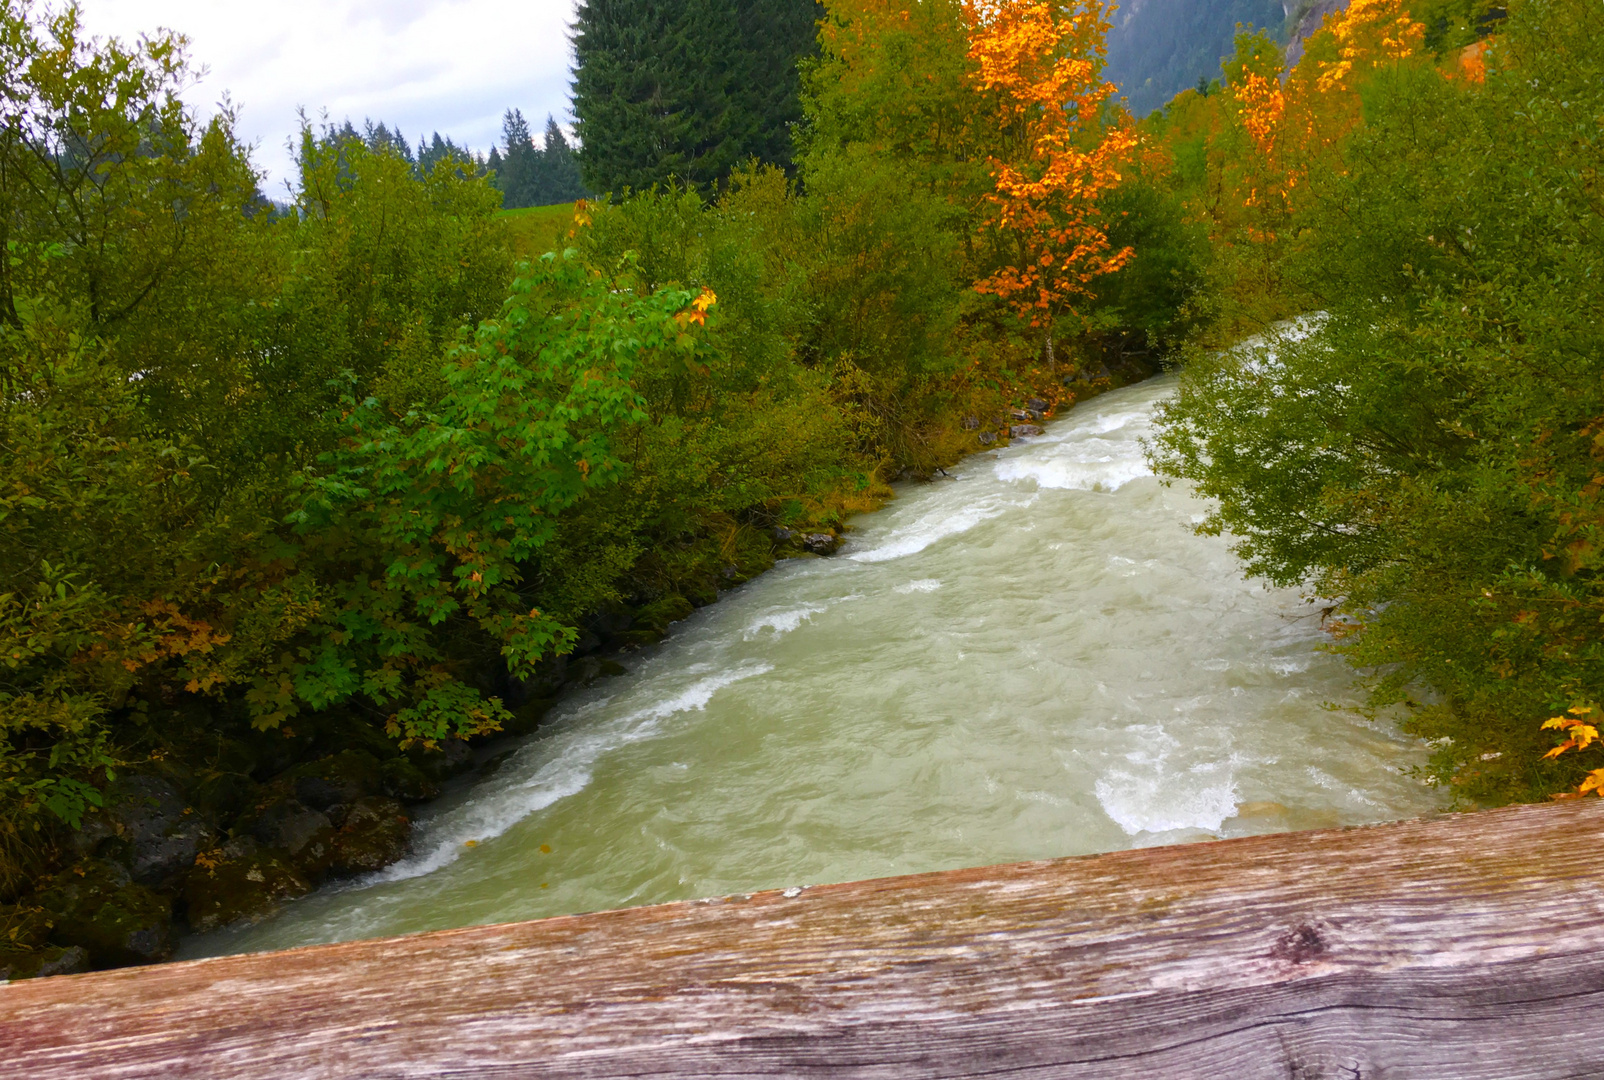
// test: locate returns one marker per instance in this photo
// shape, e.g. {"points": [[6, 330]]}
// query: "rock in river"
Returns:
{"points": [[95, 904], [241, 882]]}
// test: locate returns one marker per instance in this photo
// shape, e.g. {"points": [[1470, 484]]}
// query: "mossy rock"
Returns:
{"points": [[241, 882], [301, 835], [527, 717], [43, 962], [637, 639], [661, 612], [96, 905], [403, 780], [340, 778], [375, 833], [225, 795]]}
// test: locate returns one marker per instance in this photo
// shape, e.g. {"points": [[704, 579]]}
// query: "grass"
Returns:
{"points": [[536, 230]]}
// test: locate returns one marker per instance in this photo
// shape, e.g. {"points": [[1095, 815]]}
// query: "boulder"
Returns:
{"points": [[665, 610], [241, 882], [374, 834], [1023, 431], [821, 543], [339, 778], [987, 438], [970, 423], [225, 795], [1018, 413], [300, 835], [148, 827], [403, 780], [96, 905], [1036, 404]]}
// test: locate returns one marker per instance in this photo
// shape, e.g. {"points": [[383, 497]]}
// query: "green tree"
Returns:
{"points": [[1428, 452], [685, 90]]}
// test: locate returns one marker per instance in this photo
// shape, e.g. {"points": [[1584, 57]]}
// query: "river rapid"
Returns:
{"points": [[1035, 657]]}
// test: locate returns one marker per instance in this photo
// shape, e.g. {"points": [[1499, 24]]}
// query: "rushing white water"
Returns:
{"points": [[1036, 657]]}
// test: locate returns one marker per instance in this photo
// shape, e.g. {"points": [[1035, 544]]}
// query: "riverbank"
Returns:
{"points": [[1031, 656], [264, 818]]}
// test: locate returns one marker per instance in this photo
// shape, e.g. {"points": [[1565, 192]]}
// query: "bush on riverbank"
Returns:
{"points": [[1431, 455]]}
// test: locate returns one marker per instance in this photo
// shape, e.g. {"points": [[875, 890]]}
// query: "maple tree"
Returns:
{"points": [[1040, 64]]}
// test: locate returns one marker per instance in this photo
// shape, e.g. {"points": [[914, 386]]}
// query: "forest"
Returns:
{"points": [[298, 504]]}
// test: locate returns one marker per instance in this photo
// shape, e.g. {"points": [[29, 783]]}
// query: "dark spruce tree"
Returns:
{"points": [[530, 175], [686, 90], [560, 176]]}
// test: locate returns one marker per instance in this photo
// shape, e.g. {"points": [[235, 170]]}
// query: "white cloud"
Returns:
{"points": [[452, 66]]}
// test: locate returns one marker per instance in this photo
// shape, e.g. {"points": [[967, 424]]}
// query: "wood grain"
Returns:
{"points": [[1462, 947]]}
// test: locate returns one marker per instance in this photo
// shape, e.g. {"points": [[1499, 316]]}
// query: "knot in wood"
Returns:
{"points": [[1299, 946]]}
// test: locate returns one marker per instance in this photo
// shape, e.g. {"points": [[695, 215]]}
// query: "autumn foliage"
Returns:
{"points": [[1039, 64]]}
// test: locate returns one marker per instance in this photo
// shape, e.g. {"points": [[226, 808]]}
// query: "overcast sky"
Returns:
{"points": [[452, 66]]}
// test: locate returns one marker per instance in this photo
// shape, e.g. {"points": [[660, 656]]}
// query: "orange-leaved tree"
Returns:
{"points": [[1296, 121], [1041, 63]]}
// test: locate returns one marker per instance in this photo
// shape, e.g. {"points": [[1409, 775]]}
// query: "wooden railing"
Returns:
{"points": [[1467, 947]]}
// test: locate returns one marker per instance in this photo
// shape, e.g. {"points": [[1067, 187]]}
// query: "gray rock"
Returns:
{"points": [[290, 826], [970, 423], [405, 781], [821, 543], [987, 437], [148, 828], [340, 778], [1036, 404], [454, 756], [1023, 431]]}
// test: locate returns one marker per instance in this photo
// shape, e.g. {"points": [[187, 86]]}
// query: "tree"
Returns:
{"points": [[530, 175], [1427, 452], [1040, 62], [561, 178], [686, 90]]}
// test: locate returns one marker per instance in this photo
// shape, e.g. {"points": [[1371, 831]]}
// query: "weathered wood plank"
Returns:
{"points": [[1462, 948]]}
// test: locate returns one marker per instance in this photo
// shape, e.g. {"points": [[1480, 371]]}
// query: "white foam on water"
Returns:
{"points": [[937, 525], [1102, 452], [922, 585], [1084, 470], [544, 772], [782, 622], [1160, 802]]}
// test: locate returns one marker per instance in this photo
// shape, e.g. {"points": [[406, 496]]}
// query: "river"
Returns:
{"points": [[1035, 657]]}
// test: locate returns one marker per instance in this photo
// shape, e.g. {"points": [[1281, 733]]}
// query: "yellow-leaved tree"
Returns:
{"points": [[1040, 64]]}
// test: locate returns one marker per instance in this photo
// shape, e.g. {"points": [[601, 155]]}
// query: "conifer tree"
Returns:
{"points": [[686, 90]]}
